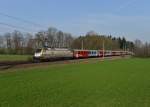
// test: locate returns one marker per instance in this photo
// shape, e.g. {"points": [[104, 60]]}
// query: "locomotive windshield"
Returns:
{"points": [[38, 50]]}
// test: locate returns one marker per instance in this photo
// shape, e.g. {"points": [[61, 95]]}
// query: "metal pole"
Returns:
{"points": [[103, 49], [123, 47], [82, 44]]}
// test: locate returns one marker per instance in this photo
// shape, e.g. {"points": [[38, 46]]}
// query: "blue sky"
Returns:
{"points": [[129, 18]]}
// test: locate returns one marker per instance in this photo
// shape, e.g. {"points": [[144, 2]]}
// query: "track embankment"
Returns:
{"points": [[28, 64]]}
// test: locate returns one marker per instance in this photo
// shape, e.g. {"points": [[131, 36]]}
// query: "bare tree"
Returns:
{"points": [[1, 42], [51, 36], [91, 33], [30, 44], [18, 38], [139, 48], [8, 40], [40, 39], [60, 39], [68, 40]]}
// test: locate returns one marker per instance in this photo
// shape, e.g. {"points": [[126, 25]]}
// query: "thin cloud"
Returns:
{"points": [[125, 5]]}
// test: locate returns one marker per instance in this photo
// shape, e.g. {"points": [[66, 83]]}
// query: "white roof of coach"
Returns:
{"points": [[58, 49]]}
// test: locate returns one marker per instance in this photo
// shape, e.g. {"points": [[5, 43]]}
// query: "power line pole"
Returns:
{"points": [[103, 49], [82, 45]]}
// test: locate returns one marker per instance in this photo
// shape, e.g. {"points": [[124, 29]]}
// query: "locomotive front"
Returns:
{"points": [[52, 53]]}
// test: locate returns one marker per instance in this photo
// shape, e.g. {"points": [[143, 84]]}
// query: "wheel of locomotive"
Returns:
{"points": [[36, 60]]}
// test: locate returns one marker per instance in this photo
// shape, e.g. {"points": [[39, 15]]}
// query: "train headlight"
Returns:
{"points": [[37, 54]]}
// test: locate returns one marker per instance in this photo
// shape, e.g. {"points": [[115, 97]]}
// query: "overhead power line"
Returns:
{"points": [[22, 20], [17, 27]]}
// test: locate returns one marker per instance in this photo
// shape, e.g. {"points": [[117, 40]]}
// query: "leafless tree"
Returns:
{"points": [[8, 40], [1, 42], [17, 40], [40, 39], [51, 36]]}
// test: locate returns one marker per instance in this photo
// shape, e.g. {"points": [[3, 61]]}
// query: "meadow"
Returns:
{"points": [[15, 57], [117, 83]]}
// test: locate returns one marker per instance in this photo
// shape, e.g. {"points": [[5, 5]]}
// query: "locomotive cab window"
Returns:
{"points": [[38, 50]]}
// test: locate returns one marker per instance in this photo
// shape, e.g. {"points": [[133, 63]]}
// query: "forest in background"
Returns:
{"points": [[20, 43]]}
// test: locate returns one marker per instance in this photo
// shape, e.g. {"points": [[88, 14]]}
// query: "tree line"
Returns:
{"points": [[17, 42], [95, 41], [26, 43], [142, 49]]}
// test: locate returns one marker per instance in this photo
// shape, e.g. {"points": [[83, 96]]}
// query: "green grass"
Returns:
{"points": [[119, 83], [15, 57]]}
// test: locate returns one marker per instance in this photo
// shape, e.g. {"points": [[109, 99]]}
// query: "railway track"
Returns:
{"points": [[27, 64], [20, 64], [4, 63], [9, 64]]}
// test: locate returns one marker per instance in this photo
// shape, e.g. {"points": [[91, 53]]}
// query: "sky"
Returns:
{"points": [[128, 18]]}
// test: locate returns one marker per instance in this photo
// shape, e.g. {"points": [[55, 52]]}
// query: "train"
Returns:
{"points": [[64, 53]]}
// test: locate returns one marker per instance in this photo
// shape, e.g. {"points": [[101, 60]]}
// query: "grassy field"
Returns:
{"points": [[118, 83], [15, 57]]}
